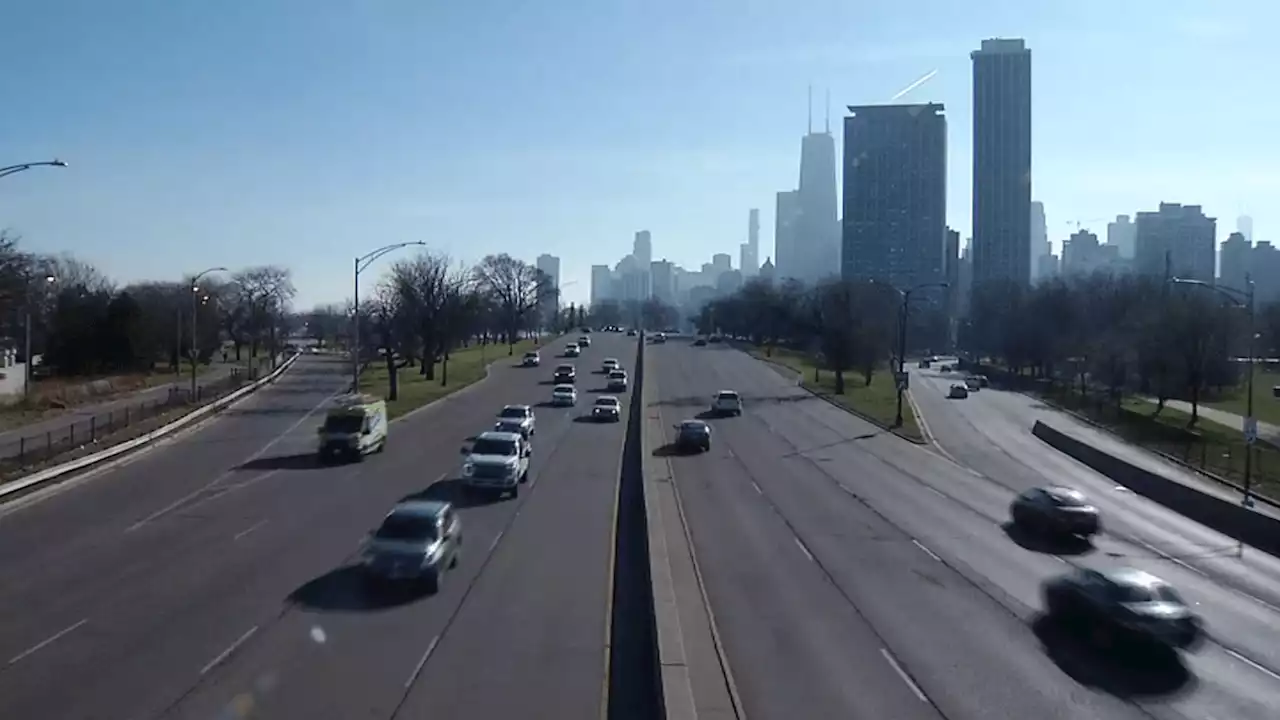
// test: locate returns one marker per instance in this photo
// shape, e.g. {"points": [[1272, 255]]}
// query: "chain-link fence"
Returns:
{"points": [[80, 429]]}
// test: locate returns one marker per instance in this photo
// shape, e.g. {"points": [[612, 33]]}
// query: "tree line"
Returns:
{"points": [[1115, 334], [83, 323]]}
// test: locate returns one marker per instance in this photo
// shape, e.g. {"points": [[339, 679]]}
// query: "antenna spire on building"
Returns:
{"points": [[810, 130]]}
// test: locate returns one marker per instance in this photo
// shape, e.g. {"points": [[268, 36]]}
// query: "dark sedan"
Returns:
{"points": [[1055, 510], [416, 542], [693, 436], [1124, 604]]}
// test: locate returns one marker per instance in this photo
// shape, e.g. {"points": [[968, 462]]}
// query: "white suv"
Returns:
{"points": [[727, 402]]}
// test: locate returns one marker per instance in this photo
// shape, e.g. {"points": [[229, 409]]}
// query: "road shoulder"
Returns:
{"points": [[695, 681]]}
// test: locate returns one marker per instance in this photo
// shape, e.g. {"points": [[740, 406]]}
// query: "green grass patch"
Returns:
{"points": [[466, 366], [877, 401], [1266, 407]]}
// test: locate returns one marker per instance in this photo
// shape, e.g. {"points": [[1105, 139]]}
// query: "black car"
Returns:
{"points": [[565, 374], [416, 543], [1124, 604], [1055, 510], [693, 436], [700, 342]]}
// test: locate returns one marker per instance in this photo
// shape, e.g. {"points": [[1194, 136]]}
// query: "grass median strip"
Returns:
{"points": [[466, 366], [877, 401]]}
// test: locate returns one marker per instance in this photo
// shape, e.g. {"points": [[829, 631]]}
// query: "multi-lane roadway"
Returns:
{"points": [[852, 574], [213, 576]]}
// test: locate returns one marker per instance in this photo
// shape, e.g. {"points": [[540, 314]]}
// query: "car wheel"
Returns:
{"points": [[524, 476], [515, 492], [433, 582], [457, 555]]}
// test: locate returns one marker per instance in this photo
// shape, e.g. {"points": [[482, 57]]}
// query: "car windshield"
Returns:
{"points": [[343, 424], [693, 427], [617, 375], [513, 412], [531, 355], [563, 389], [728, 396], [607, 402], [1066, 498], [490, 446], [565, 369], [1126, 593], [508, 426], [404, 527]]}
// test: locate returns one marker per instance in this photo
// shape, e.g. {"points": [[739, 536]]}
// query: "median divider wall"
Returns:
{"points": [[1249, 526], [89, 461]]}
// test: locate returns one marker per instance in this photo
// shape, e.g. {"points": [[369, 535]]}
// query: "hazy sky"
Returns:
{"points": [[304, 132]]}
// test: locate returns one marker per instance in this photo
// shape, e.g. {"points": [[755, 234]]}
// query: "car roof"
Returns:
{"points": [[498, 435], [611, 359], [1063, 492], [564, 387], [516, 407], [1132, 577], [616, 373], [531, 352], [727, 392], [419, 508], [693, 423]]}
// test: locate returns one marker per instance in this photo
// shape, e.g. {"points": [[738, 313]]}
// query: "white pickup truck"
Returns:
{"points": [[497, 462]]}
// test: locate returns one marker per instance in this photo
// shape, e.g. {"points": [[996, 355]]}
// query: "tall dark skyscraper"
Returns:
{"points": [[818, 230], [1002, 161], [895, 194]]}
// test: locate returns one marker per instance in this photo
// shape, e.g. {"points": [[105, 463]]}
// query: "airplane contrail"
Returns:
{"points": [[915, 84]]}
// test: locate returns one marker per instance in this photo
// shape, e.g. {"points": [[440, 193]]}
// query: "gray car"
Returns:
{"points": [[1055, 510], [415, 544], [1124, 604]]}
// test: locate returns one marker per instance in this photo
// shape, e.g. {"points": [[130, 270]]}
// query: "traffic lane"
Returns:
{"points": [[306, 505], [52, 549], [1008, 454], [967, 655], [372, 643], [958, 516], [530, 639]]}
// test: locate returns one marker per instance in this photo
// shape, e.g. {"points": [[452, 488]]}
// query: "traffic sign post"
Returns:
{"points": [[1250, 430]]}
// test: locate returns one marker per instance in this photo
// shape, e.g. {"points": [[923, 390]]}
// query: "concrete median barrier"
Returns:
{"points": [[1251, 527]]}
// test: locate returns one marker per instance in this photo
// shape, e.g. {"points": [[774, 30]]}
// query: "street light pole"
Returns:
{"points": [[26, 370], [360, 265], [195, 311], [899, 379], [1250, 428], [23, 167]]}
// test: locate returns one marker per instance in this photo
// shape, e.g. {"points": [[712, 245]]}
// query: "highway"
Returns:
{"points": [[852, 574], [212, 577]]}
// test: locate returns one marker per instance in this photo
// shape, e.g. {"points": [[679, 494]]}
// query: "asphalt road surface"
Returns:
{"points": [[853, 574], [212, 577]]}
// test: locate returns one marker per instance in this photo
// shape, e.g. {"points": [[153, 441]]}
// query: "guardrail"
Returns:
{"points": [[114, 451], [1250, 527]]}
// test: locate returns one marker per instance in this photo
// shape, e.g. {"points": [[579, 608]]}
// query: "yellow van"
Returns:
{"points": [[355, 426]]}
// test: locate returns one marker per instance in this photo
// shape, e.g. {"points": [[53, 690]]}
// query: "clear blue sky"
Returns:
{"points": [[303, 132]]}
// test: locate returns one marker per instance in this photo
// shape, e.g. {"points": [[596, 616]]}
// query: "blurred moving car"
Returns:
{"points": [[958, 392], [693, 435], [572, 350], [607, 409], [973, 383], [416, 542], [660, 338], [631, 332], [522, 415], [565, 373], [354, 426], [700, 342], [618, 381], [564, 396], [727, 402], [1055, 510], [610, 364], [531, 359], [1124, 604], [584, 342], [496, 462]]}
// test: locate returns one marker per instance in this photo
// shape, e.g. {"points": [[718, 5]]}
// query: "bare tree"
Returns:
{"points": [[424, 285], [263, 295], [517, 287]]}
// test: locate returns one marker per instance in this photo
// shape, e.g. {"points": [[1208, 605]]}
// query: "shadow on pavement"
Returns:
{"points": [[283, 462], [1045, 543], [455, 492], [346, 589], [546, 382], [671, 450], [1123, 671], [600, 390], [267, 411]]}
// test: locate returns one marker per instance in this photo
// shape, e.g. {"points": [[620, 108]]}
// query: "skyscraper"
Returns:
{"points": [[1002, 161], [817, 231], [1123, 234], [1233, 261], [1244, 226], [895, 194], [749, 253], [549, 265], [643, 249], [601, 283], [786, 254], [1039, 235], [1184, 235]]}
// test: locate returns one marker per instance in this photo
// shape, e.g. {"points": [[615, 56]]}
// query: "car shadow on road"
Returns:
{"points": [[670, 450], [600, 390], [346, 589], [546, 382], [305, 461], [453, 491], [1123, 671], [1045, 543]]}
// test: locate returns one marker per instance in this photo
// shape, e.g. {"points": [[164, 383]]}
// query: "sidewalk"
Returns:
{"points": [[74, 423], [1266, 431]]}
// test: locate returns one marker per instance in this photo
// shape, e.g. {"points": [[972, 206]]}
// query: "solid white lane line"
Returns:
{"points": [[227, 653], [937, 492], [1252, 664], [893, 663], [250, 529], [421, 662], [804, 549], [926, 550], [493, 545], [757, 487], [46, 642]]}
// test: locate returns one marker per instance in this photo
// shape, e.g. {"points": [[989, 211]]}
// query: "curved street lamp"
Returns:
{"points": [[15, 169], [1241, 299], [361, 264], [195, 307], [901, 380]]}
